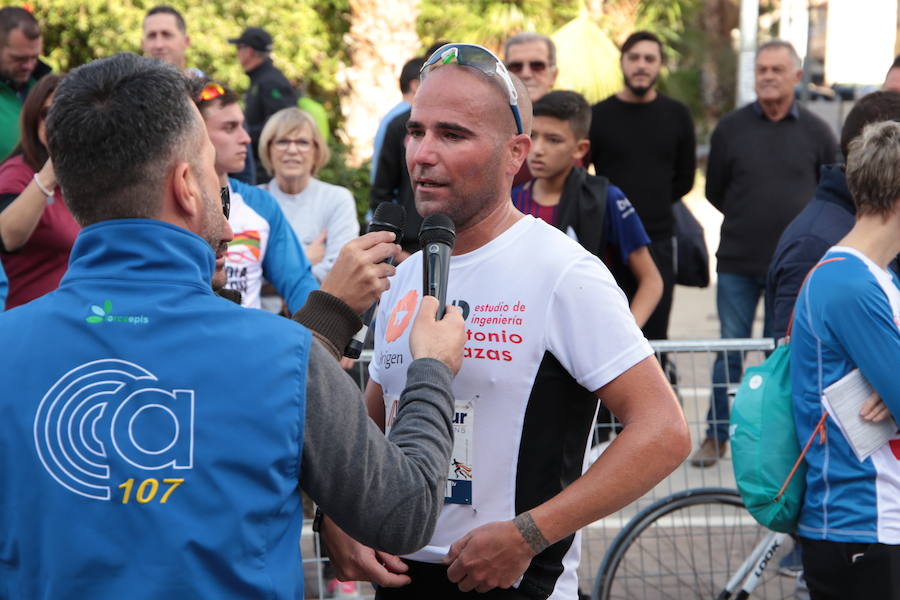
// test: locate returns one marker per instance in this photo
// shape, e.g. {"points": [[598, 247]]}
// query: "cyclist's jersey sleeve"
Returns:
{"points": [[266, 247], [624, 229]]}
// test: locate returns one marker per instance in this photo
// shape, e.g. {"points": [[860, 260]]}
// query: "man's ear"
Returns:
{"points": [[581, 148], [186, 198], [518, 148]]}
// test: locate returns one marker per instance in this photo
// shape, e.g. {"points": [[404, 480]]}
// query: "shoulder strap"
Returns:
{"points": [[790, 328], [820, 426]]}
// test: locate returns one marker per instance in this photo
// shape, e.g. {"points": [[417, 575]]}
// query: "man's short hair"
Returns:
{"points": [[410, 73], [227, 98], [871, 108], [165, 9], [643, 36], [12, 18], [873, 168], [776, 44], [527, 37], [116, 126], [566, 106], [282, 123]]}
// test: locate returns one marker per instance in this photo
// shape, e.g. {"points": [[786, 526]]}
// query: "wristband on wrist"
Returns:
{"points": [[529, 530], [41, 187]]}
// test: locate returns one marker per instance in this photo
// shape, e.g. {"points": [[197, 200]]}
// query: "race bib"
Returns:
{"points": [[461, 473]]}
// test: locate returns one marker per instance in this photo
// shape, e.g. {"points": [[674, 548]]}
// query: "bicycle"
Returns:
{"points": [[695, 544]]}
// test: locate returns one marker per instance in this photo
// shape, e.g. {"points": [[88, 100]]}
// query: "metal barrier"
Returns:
{"points": [[689, 366]]}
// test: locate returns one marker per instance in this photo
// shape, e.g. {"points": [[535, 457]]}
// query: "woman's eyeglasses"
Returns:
{"points": [[303, 144]]}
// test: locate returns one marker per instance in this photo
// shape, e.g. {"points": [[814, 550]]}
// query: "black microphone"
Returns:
{"points": [[436, 238], [388, 217]]}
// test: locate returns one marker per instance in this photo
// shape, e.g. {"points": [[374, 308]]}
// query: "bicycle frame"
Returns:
{"points": [[752, 569]]}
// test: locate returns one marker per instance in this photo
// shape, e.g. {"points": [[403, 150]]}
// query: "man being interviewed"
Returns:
{"points": [[548, 333]]}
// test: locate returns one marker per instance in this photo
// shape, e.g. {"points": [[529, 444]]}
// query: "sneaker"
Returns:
{"points": [[709, 452], [341, 589]]}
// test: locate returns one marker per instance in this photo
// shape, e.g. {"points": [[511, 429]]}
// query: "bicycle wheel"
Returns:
{"points": [[687, 546]]}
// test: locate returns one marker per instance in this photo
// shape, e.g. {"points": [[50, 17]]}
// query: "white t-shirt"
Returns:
{"points": [[244, 258], [319, 206], [546, 325]]}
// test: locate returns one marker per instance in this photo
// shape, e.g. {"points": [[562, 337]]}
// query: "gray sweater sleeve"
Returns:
{"points": [[385, 493]]}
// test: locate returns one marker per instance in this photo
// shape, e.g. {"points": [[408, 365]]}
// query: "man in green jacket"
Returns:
{"points": [[20, 46]]}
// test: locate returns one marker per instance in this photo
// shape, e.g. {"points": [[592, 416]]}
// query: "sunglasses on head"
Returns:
{"points": [[210, 91], [225, 195], [536, 66], [477, 57]]}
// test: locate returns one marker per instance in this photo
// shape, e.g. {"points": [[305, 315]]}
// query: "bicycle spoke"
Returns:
{"points": [[688, 546]]}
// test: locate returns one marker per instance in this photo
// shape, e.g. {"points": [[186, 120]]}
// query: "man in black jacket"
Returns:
{"points": [[269, 91]]}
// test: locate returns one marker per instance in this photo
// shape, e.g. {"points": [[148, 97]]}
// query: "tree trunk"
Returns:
{"points": [[382, 38], [718, 71]]}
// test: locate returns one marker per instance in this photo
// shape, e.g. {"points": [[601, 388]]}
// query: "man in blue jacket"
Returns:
{"points": [[825, 220], [153, 436]]}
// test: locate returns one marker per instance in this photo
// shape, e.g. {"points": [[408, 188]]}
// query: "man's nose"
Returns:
{"points": [[422, 150]]}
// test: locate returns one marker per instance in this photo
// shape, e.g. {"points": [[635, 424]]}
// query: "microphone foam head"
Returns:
{"points": [[388, 217], [437, 228]]}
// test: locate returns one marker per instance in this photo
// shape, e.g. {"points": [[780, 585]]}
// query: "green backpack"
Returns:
{"points": [[766, 455]]}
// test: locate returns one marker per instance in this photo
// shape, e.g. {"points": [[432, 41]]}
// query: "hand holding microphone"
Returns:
{"points": [[359, 275], [388, 217]]}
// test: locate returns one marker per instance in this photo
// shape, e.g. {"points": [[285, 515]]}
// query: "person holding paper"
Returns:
{"points": [[847, 317]]}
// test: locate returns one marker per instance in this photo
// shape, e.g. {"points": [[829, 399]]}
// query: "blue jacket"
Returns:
{"points": [[818, 227], [137, 410]]}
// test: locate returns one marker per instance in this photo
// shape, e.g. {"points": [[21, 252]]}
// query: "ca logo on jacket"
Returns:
{"points": [[111, 406]]}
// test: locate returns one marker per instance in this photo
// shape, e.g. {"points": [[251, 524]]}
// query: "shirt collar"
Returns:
{"points": [[793, 112]]}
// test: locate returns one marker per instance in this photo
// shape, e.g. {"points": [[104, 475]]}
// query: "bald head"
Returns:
{"points": [[463, 148], [495, 94]]}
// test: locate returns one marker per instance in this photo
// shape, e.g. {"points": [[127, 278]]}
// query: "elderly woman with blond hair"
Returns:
{"points": [[322, 215]]}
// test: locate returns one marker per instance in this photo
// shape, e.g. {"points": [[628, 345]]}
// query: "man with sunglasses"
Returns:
{"points": [[153, 436], [548, 333], [264, 244], [532, 58]]}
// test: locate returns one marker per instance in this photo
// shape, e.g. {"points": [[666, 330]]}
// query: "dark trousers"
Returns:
{"points": [[847, 571], [429, 582]]}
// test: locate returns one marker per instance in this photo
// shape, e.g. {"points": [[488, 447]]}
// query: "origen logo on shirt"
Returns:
{"points": [[104, 315], [108, 411], [401, 316]]}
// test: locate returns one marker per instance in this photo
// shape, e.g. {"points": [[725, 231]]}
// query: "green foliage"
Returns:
{"points": [[490, 22], [308, 36], [581, 38], [355, 179]]}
